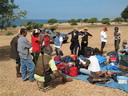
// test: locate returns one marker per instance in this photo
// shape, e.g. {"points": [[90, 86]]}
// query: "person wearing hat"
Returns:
{"points": [[103, 36], [58, 44], [14, 53], [46, 38], [84, 42], [35, 45], [117, 38]]}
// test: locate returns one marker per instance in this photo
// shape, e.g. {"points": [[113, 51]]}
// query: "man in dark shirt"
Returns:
{"points": [[84, 42], [14, 54]]}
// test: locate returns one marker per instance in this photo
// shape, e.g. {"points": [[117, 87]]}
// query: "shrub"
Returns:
{"points": [[9, 33]]}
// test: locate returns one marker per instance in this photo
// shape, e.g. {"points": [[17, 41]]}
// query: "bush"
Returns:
{"points": [[9, 33]]}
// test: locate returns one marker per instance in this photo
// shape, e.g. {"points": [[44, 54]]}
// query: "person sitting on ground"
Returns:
{"points": [[91, 66], [124, 47], [46, 65], [14, 53]]}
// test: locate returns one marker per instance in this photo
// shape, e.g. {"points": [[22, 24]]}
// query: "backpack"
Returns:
{"points": [[73, 71], [57, 59], [113, 58], [88, 50], [124, 60], [68, 59]]}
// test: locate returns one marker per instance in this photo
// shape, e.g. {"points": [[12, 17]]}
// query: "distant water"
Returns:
{"points": [[41, 21]]}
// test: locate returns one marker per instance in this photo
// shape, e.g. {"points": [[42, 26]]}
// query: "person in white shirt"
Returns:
{"points": [[91, 66], [103, 36]]}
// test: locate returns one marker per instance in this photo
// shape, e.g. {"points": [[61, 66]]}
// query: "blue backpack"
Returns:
{"points": [[68, 59]]}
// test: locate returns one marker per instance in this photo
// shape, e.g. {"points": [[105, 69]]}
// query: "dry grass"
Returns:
{"points": [[11, 86]]}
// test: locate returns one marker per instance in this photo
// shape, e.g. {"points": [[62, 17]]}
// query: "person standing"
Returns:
{"points": [[35, 45], [25, 57], [58, 43], [14, 53], [84, 42], [103, 36], [46, 38], [74, 41], [117, 38]]}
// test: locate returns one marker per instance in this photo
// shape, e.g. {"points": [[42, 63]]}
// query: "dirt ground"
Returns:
{"points": [[12, 86]]}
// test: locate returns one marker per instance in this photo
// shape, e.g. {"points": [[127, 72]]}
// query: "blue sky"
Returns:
{"points": [[72, 9]]}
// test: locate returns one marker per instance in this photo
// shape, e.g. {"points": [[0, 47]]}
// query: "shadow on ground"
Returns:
{"points": [[4, 53]]}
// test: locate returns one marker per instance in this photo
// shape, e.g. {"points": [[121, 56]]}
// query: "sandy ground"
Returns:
{"points": [[12, 86]]}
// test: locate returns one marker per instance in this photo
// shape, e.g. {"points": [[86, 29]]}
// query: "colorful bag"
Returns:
{"points": [[73, 71]]}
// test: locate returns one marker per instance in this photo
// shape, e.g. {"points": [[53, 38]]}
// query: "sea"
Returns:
{"points": [[41, 21]]}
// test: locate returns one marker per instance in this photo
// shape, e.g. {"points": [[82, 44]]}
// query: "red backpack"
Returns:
{"points": [[73, 71]]}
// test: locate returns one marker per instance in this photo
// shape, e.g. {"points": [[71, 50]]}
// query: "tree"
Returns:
{"points": [[124, 14], [118, 20], [105, 21], [9, 11], [92, 20], [52, 21], [85, 20], [79, 20], [72, 21]]}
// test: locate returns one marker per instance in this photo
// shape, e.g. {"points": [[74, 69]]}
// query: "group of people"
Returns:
{"points": [[39, 63]]}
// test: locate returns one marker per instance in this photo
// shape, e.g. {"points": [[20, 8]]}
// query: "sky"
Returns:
{"points": [[72, 9]]}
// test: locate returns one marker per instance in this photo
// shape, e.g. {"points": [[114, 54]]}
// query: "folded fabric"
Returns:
{"points": [[111, 67]]}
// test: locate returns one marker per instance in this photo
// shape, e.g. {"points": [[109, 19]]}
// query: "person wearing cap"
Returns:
{"points": [[46, 65], [117, 38], [103, 36], [46, 38], [35, 45], [58, 43], [14, 53], [74, 41], [84, 42], [25, 56]]}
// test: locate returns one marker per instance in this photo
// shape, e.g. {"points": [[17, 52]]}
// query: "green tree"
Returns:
{"points": [[52, 21], [37, 25], [92, 20], [124, 14], [85, 20], [118, 20], [105, 21], [79, 20], [72, 21], [9, 11]]}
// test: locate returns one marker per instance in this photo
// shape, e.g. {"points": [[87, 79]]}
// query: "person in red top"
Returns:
{"points": [[35, 45], [46, 38]]}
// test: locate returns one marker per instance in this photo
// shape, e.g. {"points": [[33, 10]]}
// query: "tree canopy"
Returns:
{"points": [[9, 11], [52, 21], [92, 20], [124, 14], [105, 21]]}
